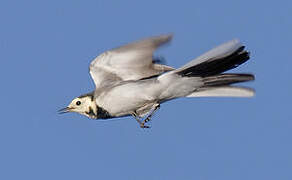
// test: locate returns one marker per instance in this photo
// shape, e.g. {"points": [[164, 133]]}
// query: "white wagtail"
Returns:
{"points": [[129, 82]]}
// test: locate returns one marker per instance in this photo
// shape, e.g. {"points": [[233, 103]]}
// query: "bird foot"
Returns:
{"points": [[144, 126]]}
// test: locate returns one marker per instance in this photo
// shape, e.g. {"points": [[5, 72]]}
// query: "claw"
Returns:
{"points": [[144, 126]]}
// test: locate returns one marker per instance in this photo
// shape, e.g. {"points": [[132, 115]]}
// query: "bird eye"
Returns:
{"points": [[78, 103]]}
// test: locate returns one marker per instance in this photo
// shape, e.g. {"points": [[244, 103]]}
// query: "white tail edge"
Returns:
{"points": [[223, 91]]}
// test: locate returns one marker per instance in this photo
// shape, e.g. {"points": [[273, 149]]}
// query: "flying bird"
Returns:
{"points": [[130, 82]]}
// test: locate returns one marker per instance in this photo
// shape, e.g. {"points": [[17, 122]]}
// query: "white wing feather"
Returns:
{"points": [[129, 62]]}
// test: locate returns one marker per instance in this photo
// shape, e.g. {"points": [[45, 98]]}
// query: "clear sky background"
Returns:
{"points": [[45, 50]]}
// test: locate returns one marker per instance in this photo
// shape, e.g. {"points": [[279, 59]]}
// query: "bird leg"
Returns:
{"points": [[147, 119], [142, 124]]}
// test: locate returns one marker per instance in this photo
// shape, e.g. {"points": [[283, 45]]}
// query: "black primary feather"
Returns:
{"points": [[217, 66], [226, 79]]}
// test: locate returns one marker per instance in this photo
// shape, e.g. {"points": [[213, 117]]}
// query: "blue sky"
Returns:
{"points": [[46, 47]]}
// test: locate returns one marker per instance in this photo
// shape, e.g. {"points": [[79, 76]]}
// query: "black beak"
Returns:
{"points": [[64, 110]]}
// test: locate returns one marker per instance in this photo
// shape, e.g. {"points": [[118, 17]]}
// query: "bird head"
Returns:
{"points": [[84, 105]]}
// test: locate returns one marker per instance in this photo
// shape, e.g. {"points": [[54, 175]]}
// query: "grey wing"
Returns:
{"points": [[129, 62]]}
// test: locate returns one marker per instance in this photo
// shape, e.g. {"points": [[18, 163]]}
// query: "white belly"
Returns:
{"points": [[125, 99]]}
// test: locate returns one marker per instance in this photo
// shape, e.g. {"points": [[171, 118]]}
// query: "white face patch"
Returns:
{"points": [[84, 106]]}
